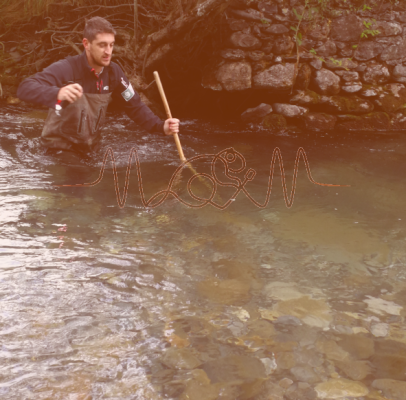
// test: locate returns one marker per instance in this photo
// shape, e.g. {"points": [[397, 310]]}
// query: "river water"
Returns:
{"points": [[172, 301]]}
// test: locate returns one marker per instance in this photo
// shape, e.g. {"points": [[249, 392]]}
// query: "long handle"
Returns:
{"points": [[168, 113]]}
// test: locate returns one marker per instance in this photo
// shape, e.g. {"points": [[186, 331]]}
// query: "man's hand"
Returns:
{"points": [[171, 126], [70, 92]]}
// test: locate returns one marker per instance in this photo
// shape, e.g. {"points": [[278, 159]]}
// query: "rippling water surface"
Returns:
{"points": [[174, 302]]}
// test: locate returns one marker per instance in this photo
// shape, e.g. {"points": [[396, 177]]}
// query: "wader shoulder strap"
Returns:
{"points": [[77, 73], [112, 77]]}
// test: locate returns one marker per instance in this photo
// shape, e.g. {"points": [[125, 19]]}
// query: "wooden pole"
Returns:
{"points": [[168, 113]]}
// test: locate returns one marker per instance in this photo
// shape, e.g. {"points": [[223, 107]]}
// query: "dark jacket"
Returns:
{"points": [[43, 88]]}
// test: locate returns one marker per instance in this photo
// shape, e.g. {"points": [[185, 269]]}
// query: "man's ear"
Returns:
{"points": [[85, 43]]}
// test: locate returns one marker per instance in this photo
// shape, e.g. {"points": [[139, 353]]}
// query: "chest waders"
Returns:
{"points": [[77, 126]]}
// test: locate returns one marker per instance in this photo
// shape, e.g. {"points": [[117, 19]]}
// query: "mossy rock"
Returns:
{"points": [[305, 98], [376, 121], [347, 104], [319, 122], [275, 122], [392, 99]]}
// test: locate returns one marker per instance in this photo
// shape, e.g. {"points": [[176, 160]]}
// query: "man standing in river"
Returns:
{"points": [[78, 90]]}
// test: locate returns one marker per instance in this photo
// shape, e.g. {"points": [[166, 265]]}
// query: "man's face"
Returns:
{"points": [[101, 49]]}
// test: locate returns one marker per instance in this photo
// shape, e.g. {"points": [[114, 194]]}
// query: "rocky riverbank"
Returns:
{"points": [[338, 68], [319, 65]]}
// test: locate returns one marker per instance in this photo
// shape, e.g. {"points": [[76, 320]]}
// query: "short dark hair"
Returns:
{"points": [[95, 26]]}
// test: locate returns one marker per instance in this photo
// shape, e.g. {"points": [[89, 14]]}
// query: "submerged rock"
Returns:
{"points": [[356, 370], [359, 346], [180, 359], [312, 312], [228, 291], [380, 329], [234, 368], [305, 373], [392, 389], [332, 350], [382, 307], [340, 388]]}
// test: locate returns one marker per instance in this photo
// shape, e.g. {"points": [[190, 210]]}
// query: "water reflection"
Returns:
{"points": [[176, 303]]}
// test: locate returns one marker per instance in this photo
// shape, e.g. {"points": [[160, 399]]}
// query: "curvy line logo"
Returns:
{"points": [[226, 157]]}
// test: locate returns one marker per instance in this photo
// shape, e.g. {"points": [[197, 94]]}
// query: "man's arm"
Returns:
{"points": [[132, 104], [43, 87]]}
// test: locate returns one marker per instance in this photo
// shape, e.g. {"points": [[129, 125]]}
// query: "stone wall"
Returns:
{"points": [[348, 73]]}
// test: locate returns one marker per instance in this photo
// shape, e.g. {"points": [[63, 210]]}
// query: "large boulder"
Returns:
{"points": [[395, 51], [275, 122], [347, 104], [368, 50], [348, 76], [376, 121], [267, 9], [319, 31], [399, 73], [352, 87], [386, 28], [230, 76], [238, 24], [233, 54], [277, 77], [303, 77], [392, 98], [319, 122], [347, 28], [245, 41], [340, 63], [305, 98], [283, 45], [398, 120], [376, 74], [289, 110], [327, 49], [276, 29], [401, 16], [326, 82], [256, 114]]}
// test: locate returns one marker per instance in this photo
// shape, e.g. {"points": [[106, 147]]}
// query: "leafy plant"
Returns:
{"points": [[368, 31]]}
